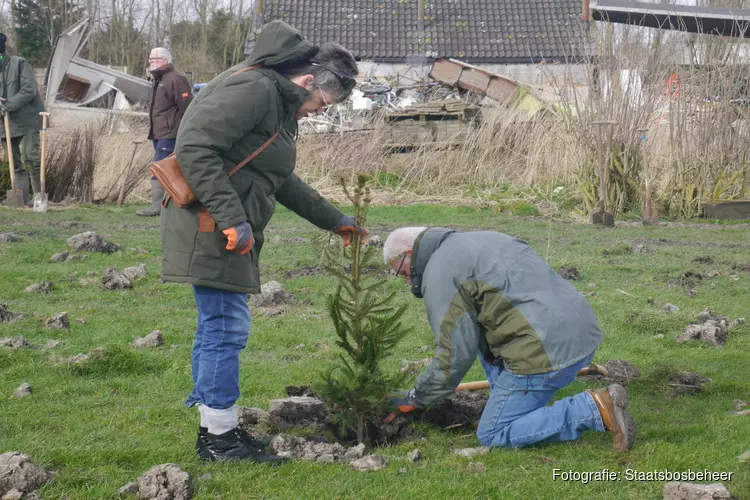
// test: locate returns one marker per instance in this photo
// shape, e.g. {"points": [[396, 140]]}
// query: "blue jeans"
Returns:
{"points": [[223, 330], [162, 149], [516, 414]]}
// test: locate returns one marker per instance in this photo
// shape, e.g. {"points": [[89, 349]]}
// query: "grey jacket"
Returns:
{"points": [[490, 293]]}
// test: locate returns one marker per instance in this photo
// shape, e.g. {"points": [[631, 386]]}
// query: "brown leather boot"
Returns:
{"points": [[612, 403]]}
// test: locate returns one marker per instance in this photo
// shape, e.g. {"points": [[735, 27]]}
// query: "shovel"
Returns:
{"points": [[14, 197], [600, 216], [592, 369], [40, 198]]}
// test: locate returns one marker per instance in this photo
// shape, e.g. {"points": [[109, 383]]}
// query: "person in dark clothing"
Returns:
{"points": [[257, 101], [21, 100], [170, 97]]}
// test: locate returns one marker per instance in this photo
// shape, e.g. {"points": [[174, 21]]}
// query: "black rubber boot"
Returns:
{"points": [[233, 445], [157, 193]]}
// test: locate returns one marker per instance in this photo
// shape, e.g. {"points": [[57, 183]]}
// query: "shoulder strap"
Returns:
{"points": [[265, 144], [256, 152]]}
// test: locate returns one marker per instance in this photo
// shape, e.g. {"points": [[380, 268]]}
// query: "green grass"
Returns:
{"points": [[102, 424]]}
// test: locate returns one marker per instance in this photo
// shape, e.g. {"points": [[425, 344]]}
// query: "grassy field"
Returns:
{"points": [[103, 423]]}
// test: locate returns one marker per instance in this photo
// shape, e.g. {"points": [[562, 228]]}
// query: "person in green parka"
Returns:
{"points": [[231, 117], [21, 100]]}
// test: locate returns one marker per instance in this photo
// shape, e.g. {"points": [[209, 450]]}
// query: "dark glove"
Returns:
{"points": [[403, 402], [3, 108], [347, 227], [239, 238]]}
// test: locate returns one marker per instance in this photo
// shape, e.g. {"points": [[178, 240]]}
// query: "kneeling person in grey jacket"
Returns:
{"points": [[490, 294]]}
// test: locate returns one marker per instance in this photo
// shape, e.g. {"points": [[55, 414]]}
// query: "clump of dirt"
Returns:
{"points": [[305, 271], [298, 412], [14, 342], [709, 328], [370, 463], [706, 259], [414, 367], [741, 267], [676, 490], [153, 339], [91, 242], [414, 456], [569, 273], [6, 316], [19, 472], [249, 417], [460, 409], [166, 482], [135, 272], [112, 279], [59, 257], [44, 287], [687, 382], [128, 489], [76, 359], [10, 238], [24, 390], [58, 322], [299, 391], [315, 449], [272, 300]]}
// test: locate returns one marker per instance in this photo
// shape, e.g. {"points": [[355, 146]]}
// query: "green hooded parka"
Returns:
{"points": [[229, 119]]}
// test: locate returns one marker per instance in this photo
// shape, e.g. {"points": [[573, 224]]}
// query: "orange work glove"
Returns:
{"points": [[404, 402], [239, 238], [347, 228]]}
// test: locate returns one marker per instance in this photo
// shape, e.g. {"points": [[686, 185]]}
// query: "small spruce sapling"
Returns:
{"points": [[368, 327]]}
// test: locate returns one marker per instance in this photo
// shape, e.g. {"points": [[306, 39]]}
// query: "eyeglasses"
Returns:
{"points": [[398, 269], [346, 81]]}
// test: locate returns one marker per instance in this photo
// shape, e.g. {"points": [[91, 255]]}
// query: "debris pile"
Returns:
{"points": [[710, 328]]}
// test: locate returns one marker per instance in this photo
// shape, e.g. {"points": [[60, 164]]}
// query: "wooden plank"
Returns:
{"points": [[446, 71], [501, 89], [474, 80]]}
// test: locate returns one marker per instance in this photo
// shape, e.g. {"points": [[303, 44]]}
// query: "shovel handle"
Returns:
{"points": [[43, 169], [9, 151], [592, 369]]}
